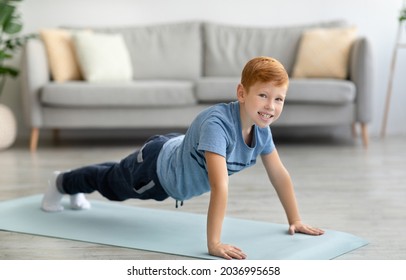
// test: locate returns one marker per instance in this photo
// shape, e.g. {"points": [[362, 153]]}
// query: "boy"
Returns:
{"points": [[222, 140]]}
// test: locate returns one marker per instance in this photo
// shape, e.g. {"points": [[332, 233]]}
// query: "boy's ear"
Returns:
{"points": [[241, 93]]}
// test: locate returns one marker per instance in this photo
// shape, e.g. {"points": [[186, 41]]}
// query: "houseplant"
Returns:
{"points": [[10, 42], [402, 15]]}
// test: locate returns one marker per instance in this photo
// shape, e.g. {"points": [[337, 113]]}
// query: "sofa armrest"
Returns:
{"points": [[35, 73], [361, 73]]}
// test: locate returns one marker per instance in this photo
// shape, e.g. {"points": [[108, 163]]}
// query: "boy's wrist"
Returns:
{"points": [[295, 221], [213, 244]]}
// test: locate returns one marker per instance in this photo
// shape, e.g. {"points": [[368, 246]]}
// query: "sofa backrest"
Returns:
{"points": [[166, 51], [227, 48], [190, 50]]}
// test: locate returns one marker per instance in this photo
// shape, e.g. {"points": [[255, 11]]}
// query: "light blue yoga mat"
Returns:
{"points": [[171, 231]]}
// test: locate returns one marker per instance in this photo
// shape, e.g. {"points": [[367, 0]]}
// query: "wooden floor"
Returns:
{"points": [[339, 185]]}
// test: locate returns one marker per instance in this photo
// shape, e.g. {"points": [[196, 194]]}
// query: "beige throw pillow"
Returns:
{"points": [[61, 54], [324, 53], [103, 57]]}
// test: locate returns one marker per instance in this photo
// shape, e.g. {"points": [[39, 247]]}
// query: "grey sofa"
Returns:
{"points": [[181, 68]]}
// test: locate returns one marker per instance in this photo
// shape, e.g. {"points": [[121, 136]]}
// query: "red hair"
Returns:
{"points": [[264, 69]]}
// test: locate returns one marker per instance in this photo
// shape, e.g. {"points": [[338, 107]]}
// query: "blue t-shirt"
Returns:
{"points": [[181, 165]]}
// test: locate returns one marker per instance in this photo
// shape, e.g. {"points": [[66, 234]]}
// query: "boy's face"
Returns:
{"points": [[262, 104]]}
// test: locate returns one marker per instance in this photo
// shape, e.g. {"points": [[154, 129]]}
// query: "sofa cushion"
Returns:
{"points": [[315, 91], [321, 91], [170, 51], [61, 54], [103, 57], [122, 94], [228, 48], [217, 89], [324, 53]]}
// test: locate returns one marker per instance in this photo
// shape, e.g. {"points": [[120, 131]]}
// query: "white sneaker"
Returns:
{"points": [[51, 202], [79, 202]]}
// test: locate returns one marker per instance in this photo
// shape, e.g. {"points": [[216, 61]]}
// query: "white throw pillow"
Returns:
{"points": [[103, 57]]}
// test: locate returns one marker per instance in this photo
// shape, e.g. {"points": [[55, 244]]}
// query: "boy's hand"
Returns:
{"points": [[300, 227], [228, 252]]}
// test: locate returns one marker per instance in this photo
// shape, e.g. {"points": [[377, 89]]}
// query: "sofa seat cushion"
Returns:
{"points": [[122, 94], [315, 91], [321, 91]]}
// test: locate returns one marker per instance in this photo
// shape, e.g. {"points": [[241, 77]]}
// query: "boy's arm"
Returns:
{"points": [[218, 179], [280, 179]]}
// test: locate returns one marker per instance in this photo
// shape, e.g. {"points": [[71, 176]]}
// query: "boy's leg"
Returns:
{"points": [[134, 177], [85, 181], [52, 199], [102, 177]]}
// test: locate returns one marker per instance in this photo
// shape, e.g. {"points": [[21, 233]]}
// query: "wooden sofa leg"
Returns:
{"points": [[55, 135], [34, 139], [354, 130], [364, 135]]}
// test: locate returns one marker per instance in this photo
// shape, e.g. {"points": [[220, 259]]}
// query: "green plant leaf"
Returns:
{"points": [[4, 55], [6, 11], [11, 71], [10, 26], [402, 15]]}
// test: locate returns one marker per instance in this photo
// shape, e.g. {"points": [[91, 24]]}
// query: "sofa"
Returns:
{"points": [[161, 76]]}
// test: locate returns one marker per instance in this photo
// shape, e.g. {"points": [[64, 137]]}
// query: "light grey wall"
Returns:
{"points": [[374, 18]]}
